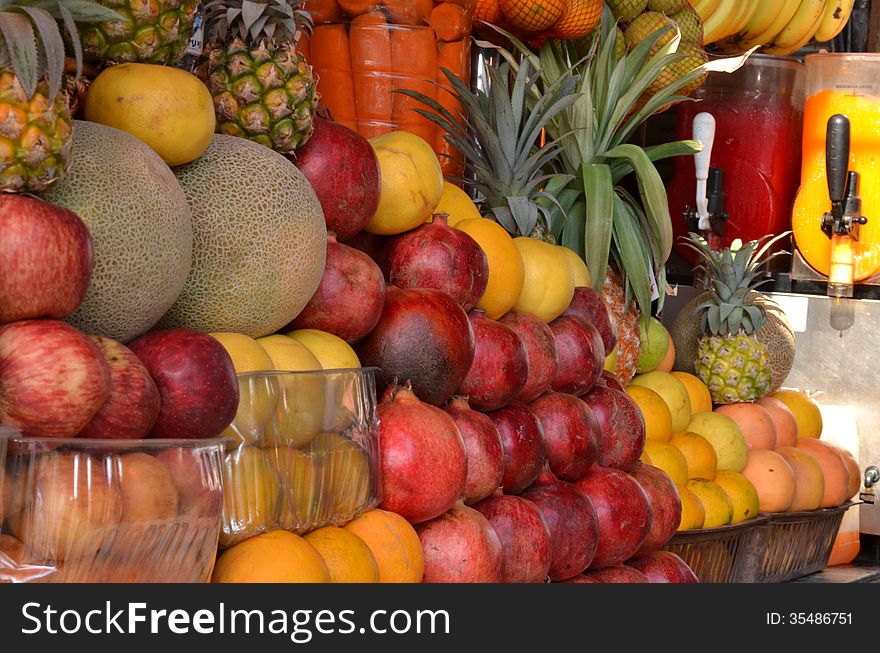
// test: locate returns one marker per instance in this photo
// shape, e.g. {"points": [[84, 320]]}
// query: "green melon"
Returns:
{"points": [[140, 225], [259, 240]]}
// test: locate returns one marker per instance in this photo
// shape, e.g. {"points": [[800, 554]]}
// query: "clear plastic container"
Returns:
{"points": [[306, 452], [361, 51], [134, 511]]}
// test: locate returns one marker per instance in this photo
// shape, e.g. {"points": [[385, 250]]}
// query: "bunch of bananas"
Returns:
{"points": [[779, 27]]}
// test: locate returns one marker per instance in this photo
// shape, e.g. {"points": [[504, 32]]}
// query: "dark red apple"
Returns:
{"points": [[524, 535], [133, 404], [621, 427], [53, 378], [500, 367], [438, 256], [423, 337], [623, 510], [571, 520], [581, 355], [610, 380], [571, 434], [618, 574], [343, 169], [422, 457], [46, 259], [460, 546], [579, 579], [196, 381], [348, 302], [665, 506], [482, 442], [541, 354], [588, 304], [664, 567], [523, 444]]}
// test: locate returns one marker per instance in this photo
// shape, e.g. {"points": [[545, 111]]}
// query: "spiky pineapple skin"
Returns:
{"points": [[265, 94], [736, 369], [626, 317], [36, 136], [153, 31]]}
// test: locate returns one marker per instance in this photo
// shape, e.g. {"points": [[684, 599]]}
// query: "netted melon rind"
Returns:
{"points": [[259, 240], [140, 225]]}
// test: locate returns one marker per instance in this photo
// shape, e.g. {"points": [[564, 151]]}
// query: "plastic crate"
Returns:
{"points": [[799, 543], [726, 554]]}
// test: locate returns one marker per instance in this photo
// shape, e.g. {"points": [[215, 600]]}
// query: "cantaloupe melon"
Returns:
{"points": [[259, 240], [140, 225]]}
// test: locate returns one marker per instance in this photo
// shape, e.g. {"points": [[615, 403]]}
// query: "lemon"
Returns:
{"points": [[412, 183], [658, 419], [331, 351], [725, 436], [505, 265], [806, 412], [742, 494], [666, 457], [701, 398], [456, 204], [288, 354], [716, 505], [579, 270], [246, 353], [548, 284], [611, 361], [168, 108], [673, 392]]}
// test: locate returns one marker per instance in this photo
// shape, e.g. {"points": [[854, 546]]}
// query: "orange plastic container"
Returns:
{"points": [[847, 543]]}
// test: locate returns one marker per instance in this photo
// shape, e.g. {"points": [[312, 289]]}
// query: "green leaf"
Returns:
{"points": [[599, 199], [18, 33], [735, 320], [53, 46], [83, 11], [634, 259], [70, 27], [726, 310], [714, 320]]}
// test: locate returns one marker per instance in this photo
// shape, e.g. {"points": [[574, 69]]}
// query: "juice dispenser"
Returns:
{"points": [[755, 160]]}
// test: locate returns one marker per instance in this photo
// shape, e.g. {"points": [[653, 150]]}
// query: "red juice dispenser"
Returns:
{"points": [[755, 159]]}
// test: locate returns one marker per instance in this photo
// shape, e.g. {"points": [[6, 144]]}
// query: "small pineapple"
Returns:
{"points": [[731, 361], [626, 322], [263, 89], [36, 128]]}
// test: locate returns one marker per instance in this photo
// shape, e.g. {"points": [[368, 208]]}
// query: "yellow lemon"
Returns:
{"points": [[806, 412], [246, 353], [548, 284], [658, 419], [505, 265], [742, 494], [669, 459], [168, 108], [701, 398], [288, 354], [412, 183], [698, 452], [580, 272], [673, 392], [725, 436], [456, 204], [273, 557], [692, 513], [331, 351], [716, 505], [347, 556], [645, 458], [251, 494]]}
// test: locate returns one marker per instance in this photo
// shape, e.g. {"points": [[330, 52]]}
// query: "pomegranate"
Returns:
{"points": [[373, 245], [500, 367], [588, 304], [438, 256], [571, 434], [523, 446], [525, 538], [343, 169], [579, 579], [422, 457], [482, 442], [571, 518], [665, 506], [581, 357], [664, 567], [540, 347], [610, 380], [424, 337], [460, 546], [617, 574], [621, 426], [348, 301], [624, 514]]}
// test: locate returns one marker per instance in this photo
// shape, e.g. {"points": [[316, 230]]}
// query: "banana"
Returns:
{"points": [[704, 8], [787, 12], [748, 10], [717, 25], [765, 13], [799, 30], [836, 15]]}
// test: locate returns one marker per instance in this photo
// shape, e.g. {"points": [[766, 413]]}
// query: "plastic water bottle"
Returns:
{"points": [[195, 44]]}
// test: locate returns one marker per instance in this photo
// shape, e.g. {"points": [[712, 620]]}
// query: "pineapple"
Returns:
{"points": [[731, 360], [626, 322], [36, 128], [147, 31], [263, 89]]}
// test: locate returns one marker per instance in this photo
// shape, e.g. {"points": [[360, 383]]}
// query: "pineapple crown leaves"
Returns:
{"points": [[253, 20], [31, 42], [734, 274], [507, 123]]}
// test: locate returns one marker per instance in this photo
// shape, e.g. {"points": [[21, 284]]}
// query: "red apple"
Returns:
{"points": [[581, 355], [623, 510], [196, 478], [46, 259], [664, 567], [133, 405], [621, 426], [343, 169], [148, 491], [196, 381], [665, 506], [617, 574], [588, 304], [541, 355], [53, 378]]}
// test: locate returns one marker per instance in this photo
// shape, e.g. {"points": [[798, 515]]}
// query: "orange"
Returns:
{"points": [[808, 477], [716, 504], [701, 399], [698, 452], [548, 283], [272, 557], [645, 458], [394, 543], [580, 272], [834, 470], [692, 512], [506, 272], [783, 419], [754, 420], [773, 478], [348, 557], [658, 418], [806, 412], [855, 474], [742, 494], [669, 459]]}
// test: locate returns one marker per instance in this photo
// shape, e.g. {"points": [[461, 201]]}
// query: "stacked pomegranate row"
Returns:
{"points": [[515, 417]]}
